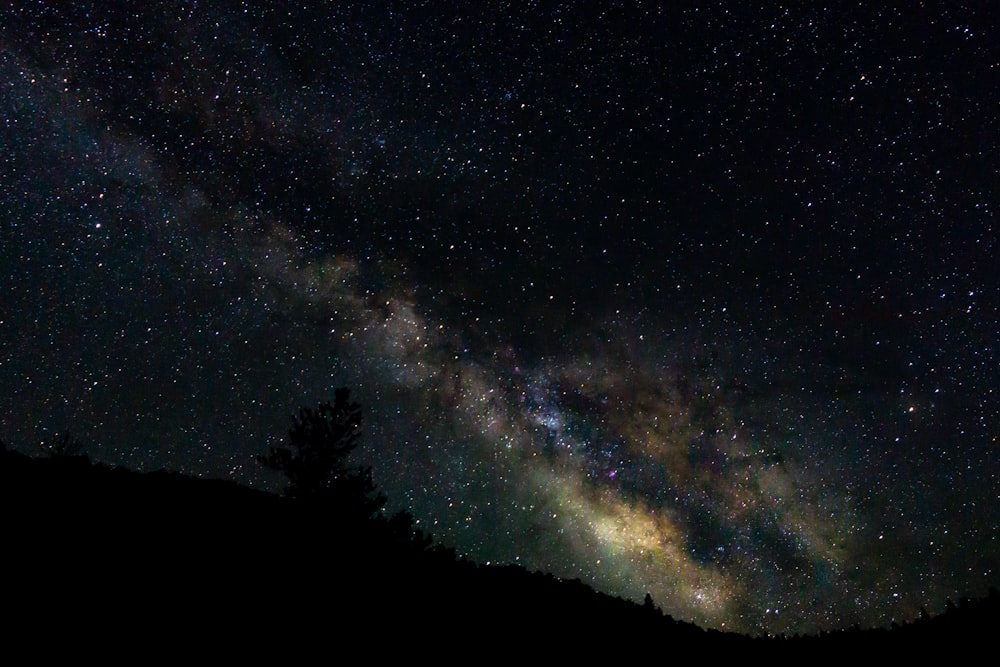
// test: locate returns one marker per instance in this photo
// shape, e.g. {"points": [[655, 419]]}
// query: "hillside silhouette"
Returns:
{"points": [[145, 556]]}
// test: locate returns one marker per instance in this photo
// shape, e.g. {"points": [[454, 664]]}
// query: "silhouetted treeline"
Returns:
{"points": [[165, 550], [160, 555]]}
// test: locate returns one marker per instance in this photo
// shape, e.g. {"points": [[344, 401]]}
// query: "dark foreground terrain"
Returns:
{"points": [[99, 558]]}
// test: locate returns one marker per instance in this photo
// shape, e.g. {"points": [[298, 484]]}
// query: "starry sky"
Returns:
{"points": [[694, 299]]}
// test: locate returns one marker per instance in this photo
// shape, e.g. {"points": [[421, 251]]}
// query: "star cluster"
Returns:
{"points": [[700, 302]]}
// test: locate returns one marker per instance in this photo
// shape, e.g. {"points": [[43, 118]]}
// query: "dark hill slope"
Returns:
{"points": [[93, 549]]}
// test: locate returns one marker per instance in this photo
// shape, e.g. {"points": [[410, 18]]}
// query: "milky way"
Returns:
{"points": [[685, 302]]}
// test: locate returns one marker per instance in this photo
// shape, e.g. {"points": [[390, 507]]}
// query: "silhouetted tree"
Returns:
{"points": [[62, 447], [315, 460], [402, 531]]}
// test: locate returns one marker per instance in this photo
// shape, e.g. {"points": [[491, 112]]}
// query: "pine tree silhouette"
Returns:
{"points": [[315, 460]]}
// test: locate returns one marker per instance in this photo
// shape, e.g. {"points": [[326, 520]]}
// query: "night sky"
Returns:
{"points": [[700, 301]]}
